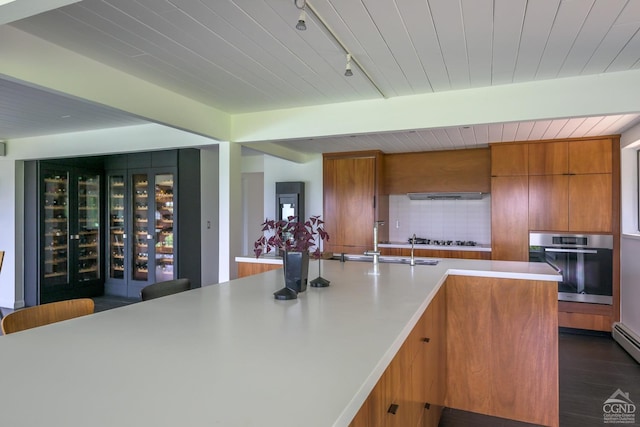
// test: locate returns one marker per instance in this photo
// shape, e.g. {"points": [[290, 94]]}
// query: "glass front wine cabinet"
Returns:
{"points": [[70, 233], [141, 227]]}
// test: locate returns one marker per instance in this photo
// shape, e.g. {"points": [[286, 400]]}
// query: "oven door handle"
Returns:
{"points": [[572, 251]]}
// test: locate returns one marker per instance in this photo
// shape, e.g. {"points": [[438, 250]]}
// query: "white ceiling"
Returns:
{"points": [[245, 55]]}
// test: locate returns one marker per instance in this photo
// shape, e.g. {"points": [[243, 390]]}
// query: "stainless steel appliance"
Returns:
{"points": [[424, 241], [584, 260]]}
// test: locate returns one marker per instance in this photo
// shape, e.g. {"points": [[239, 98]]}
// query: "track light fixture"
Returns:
{"points": [[347, 70], [301, 25]]}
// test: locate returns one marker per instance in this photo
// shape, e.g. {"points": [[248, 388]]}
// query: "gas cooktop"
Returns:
{"points": [[424, 241]]}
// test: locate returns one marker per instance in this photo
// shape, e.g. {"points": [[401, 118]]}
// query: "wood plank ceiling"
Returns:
{"points": [[246, 55]]}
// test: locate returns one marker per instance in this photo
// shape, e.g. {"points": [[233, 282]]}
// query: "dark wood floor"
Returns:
{"points": [[592, 367], [108, 302]]}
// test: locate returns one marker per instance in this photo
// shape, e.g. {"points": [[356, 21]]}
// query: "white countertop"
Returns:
{"points": [[270, 258], [229, 354]]}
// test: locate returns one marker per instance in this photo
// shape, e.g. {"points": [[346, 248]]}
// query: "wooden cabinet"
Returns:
{"points": [[550, 186], [250, 268], [590, 203], [548, 202], [484, 345], [591, 156], [437, 253], [548, 158], [583, 156], [411, 391], [570, 186], [433, 359], [509, 202], [447, 170], [502, 347], [353, 200], [509, 159], [510, 218]]}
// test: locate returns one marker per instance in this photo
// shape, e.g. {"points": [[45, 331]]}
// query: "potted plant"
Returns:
{"points": [[294, 239]]}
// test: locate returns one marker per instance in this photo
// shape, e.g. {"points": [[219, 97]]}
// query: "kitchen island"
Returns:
{"points": [[231, 355]]}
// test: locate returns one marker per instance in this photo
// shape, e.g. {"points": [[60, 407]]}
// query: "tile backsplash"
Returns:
{"points": [[440, 219]]}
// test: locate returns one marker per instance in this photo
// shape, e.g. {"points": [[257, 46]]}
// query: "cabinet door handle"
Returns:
{"points": [[426, 339], [393, 409]]}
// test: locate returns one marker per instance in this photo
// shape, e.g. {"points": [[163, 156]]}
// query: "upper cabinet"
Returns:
{"points": [[509, 159], [570, 157], [591, 156], [570, 185], [449, 170], [549, 158], [353, 200]]}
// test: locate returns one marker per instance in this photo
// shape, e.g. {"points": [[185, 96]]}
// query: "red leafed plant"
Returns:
{"points": [[291, 235]]}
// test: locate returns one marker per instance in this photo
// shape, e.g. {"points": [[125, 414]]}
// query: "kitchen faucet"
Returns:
{"points": [[413, 242], [375, 252]]}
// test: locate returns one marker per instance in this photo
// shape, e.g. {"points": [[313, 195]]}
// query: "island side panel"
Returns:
{"points": [[524, 341], [468, 344], [502, 345]]}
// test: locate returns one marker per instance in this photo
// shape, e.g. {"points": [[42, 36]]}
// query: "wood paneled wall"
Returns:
{"points": [[452, 170]]}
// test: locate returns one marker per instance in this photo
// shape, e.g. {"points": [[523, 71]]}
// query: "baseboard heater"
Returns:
{"points": [[627, 340]]}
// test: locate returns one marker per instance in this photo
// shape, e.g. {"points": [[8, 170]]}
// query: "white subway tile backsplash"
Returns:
{"points": [[440, 219]]}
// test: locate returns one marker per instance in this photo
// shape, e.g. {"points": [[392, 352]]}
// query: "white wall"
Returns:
{"points": [[279, 170], [440, 219], [252, 209], [230, 204], [630, 239], [106, 141]]}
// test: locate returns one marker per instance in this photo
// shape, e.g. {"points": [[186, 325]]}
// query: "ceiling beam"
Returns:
{"points": [[280, 152], [13, 10], [36, 62], [594, 95]]}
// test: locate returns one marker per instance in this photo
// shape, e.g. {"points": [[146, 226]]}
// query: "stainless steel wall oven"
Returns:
{"points": [[585, 262]]}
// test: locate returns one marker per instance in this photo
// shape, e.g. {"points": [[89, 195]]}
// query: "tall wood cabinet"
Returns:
{"points": [[509, 202], [63, 236], [353, 200], [558, 186]]}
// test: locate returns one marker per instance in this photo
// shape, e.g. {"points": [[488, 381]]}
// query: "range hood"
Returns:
{"points": [[464, 195]]}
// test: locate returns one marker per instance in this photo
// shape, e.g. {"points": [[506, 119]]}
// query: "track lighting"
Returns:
{"points": [[301, 25], [347, 70]]}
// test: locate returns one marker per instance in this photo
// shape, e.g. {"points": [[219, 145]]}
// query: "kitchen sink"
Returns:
{"points": [[386, 259]]}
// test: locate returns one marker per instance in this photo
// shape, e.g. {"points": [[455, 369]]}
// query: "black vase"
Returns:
{"points": [[296, 269]]}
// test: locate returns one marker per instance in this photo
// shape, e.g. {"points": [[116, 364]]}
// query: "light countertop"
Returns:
{"points": [[229, 354], [270, 258]]}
